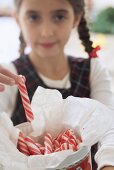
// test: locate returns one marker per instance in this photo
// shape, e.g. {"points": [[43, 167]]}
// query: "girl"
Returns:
{"points": [[46, 26]]}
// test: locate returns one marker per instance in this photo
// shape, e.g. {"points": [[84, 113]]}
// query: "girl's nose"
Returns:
{"points": [[47, 30]]}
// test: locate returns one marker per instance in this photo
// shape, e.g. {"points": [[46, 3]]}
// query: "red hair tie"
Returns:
{"points": [[93, 53]]}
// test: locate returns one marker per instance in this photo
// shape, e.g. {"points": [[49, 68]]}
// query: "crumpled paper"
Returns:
{"points": [[10, 157], [53, 114]]}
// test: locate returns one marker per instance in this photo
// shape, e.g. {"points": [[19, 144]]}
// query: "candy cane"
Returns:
{"points": [[41, 148], [64, 146], [48, 144], [22, 147], [25, 99], [33, 149], [56, 144]]}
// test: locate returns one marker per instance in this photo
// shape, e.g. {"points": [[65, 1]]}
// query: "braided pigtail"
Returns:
{"points": [[84, 36], [22, 45]]}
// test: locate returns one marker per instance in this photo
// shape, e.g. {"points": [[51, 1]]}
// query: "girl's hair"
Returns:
{"points": [[22, 44], [84, 35], [17, 4], [79, 8]]}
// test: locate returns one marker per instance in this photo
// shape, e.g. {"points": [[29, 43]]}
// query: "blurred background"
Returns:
{"points": [[100, 16]]}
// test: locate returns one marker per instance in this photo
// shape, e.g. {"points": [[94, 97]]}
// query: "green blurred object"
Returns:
{"points": [[104, 22]]}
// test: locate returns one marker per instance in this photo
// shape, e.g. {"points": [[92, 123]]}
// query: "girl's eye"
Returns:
{"points": [[59, 18], [33, 18]]}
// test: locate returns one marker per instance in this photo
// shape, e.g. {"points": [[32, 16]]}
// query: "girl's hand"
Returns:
{"points": [[6, 77]]}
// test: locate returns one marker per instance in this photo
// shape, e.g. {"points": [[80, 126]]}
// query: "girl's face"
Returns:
{"points": [[46, 25]]}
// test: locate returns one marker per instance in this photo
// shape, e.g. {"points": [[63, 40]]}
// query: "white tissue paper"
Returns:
{"points": [[56, 114], [53, 114], [10, 157]]}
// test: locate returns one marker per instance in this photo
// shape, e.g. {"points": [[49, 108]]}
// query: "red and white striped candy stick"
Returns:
{"points": [[56, 144], [42, 149], [48, 143], [25, 99], [64, 146], [33, 149], [22, 146]]}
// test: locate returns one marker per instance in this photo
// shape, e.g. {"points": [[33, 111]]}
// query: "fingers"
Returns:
{"points": [[6, 77], [6, 80]]}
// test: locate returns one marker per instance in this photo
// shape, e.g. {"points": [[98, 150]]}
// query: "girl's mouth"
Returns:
{"points": [[47, 45]]}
